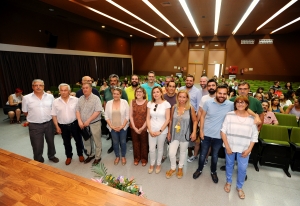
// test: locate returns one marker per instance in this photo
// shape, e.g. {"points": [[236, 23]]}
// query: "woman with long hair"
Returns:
{"points": [[239, 134], [275, 106], [179, 131], [288, 86], [138, 126], [284, 101], [158, 117]]}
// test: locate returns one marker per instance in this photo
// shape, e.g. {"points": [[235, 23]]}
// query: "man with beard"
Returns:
{"points": [[269, 117], [150, 84], [113, 83], [130, 90], [211, 88]]}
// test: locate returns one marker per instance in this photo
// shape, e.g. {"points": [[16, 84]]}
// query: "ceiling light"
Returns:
{"points": [[250, 8], [158, 44], [51, 9], [130, 35], [196, 44], [298, 19], [189, 15], [217, 15], [103, 27], [171, 43], [162, 16], [277, 13], [138, 18], [112, 18]]}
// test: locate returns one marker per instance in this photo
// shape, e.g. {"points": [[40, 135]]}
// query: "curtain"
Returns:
{"points": [[107, 66], [127, 67]]}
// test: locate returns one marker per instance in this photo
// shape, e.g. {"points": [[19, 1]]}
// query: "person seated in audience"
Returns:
{"points": [[284, 101], [231, 82], [288, 86], [125, 81], [291, 95], [267, 96], [49, 92], [276, 86], [94, 83], [272, 91], [79, 82], [269, 117], [178, 85], [13, 106], [235, 86], [104, 86], [275, 106], [73, 94], [231, 93], [258, 96], [259, 90], [294, 109]]}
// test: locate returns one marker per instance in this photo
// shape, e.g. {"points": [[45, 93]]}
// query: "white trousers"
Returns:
{"points": [[173, 147], [159, 141]]}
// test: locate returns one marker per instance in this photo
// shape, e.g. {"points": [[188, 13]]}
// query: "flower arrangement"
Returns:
{"points": [[120, 183]]}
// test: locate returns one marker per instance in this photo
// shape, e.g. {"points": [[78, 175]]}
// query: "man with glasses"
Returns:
{"points": [[150, 84], [37, 107]]}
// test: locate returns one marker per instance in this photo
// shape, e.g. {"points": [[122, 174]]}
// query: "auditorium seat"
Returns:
{"points": [[286, 120], [295, 149]]}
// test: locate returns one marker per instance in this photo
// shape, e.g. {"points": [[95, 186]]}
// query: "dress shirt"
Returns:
{"points": [[65, 111], [39, 110], [87, 107]]}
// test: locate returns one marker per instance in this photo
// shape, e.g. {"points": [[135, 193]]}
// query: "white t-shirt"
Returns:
{"points": [[158, 117], [204, 99]]}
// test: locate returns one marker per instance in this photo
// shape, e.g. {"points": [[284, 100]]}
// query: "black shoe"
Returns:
{"points": [[110, 150], [163, 159], [246, 178], [87, 160], [108, 138], [214, 177], [223, 168], [54, 159], [197, 174], [96, 162], [85, 152]]}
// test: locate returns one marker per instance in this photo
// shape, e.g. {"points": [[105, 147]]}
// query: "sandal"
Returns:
{"points": [[241, 193], [117, 160], [227, 187], [19, 122]]}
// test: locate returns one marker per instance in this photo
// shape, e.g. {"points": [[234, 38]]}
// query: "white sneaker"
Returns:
{"points": [[192, 158]]}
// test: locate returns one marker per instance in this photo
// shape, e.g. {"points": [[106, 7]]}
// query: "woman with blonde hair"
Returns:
{"points": [[158, 117], [183, 118]]}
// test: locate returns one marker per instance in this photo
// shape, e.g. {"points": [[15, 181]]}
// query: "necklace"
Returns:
{"points": [[179, 117]]}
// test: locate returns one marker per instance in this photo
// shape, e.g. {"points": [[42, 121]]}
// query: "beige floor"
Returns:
{"points": [[269, 186]]}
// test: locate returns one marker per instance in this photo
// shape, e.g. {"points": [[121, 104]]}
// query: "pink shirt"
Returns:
{"points": [[269, 118]]}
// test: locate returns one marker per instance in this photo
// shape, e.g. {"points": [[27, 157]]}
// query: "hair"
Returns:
{"points": [[159, 88], [151, 72], [18, 90], [273, 99], [188, 103], [168, 77], [243, 99], [272, 89], [64, 84], [275, 82], [285, 96], [212, 80], [244, 83], [73, 94], [269, 95], [113, 76], [259, 88], [204, 76], [84, 77], [178, 84], [87, 84], [37, 80], [136, 76], [170, 82], [291, 87], [118, 89], [267, 103], [222, 87], [143, 90], [189, 75], [257, 93]]}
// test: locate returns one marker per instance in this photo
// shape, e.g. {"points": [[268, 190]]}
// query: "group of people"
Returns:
{"points": [[156, 118]]}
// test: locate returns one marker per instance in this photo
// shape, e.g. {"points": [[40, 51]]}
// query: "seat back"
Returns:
{"points": [[274, 132], [286, 120], [295, 135]]}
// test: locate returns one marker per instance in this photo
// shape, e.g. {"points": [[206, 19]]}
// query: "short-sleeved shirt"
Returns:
{"points": [[130, 94], [65, 111], [109, 96], [254, 104], [171, 100], [195, 96], [87, 106], [215, 115], [149, 89], [269, 118], [39, 110], [158, 117], [204, 99], [79, 93]]}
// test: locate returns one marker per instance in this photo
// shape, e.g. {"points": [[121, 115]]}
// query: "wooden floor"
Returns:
{"points": [[26, 182]]}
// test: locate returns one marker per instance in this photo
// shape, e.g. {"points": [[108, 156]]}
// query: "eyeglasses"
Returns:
{"points": [[138, 91], [242, 103], [38, 85], [155, 107]]}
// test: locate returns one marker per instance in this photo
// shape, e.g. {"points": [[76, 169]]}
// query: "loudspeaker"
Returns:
{"points": [[52, 41]]}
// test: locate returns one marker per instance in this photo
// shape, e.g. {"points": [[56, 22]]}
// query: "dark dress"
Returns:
{"points": [[139, 141]]}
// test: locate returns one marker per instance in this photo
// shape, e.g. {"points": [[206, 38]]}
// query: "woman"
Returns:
{"points": [[104, 86], [294, 109], [117, 117], [288, 86], [13, 106], [238, 142], [275, 106], [158, 117], [179, 131], [284, 101], [231, 93], [138, 126], [260, 90]]}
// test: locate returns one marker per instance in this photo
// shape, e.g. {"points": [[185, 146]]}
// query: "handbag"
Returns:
{"points": [[191, 126], [86, 133]]}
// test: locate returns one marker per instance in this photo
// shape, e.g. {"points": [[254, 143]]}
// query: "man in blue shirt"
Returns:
{"points": [[150, 84]]}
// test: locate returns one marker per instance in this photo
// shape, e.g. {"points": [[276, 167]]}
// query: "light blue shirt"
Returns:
{"points": [[149, 89], [215, 115], [195, 96]]}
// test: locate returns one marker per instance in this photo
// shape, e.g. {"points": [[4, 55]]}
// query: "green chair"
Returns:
{"points": [[295, 149], [76, 89], [286, 120], [275, 150]]}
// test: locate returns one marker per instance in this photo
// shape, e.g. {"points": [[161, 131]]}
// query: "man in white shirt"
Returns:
{"points": [[64, 118], [37, 107]]}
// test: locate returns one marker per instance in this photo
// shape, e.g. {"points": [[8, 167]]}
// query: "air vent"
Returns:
{"points": [[166, 3]]}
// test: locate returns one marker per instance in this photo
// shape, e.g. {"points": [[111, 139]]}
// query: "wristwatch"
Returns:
{"points": [[160, 130]]}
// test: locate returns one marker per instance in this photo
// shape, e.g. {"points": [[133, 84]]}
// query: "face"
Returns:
{"points": [[260, 91], [151, 77], [221, 95], [116, 95], [265, 106], [189, 82], [276, 102], [281, 96], [38, 87], [241, 105], [113, 81], [156, 94], [134, 81], [139, 94], [243, 90], [64, 91], [182, 98], [104, 83], [18, 94], [86, 89], [258, 96], [87, 79], [167, 80], [211, 87], [296, 103], [288, 84], [272, 91], [266, 96], [203, 82], [171, 88]]}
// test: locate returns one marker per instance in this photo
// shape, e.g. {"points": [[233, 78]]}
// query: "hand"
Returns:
{"points": [[80, 124], [58, 130], [157, 133], [202, 134], [193, 136], [118, 129], [136, 130], [169, 137], [257, 120], [228, 151], [86, 123], [246, 153], [152, 134]]}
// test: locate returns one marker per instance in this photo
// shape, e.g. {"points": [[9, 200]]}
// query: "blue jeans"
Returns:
{"points": [[242, 168], [215, 144], [119, 138]]}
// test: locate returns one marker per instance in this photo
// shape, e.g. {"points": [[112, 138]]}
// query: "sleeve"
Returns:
{"points": [[201, 103], [53, 110], [254, 136], [259, 108], [199, 97], [149, 104], [107, 110], [77, 106], [24, 105], [224, 125], [167, 105], [124, 95], [126, 110], [205, 105], [98, 105]]}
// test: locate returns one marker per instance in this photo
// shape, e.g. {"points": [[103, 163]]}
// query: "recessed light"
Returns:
{"points": [[103, 27], [196, 44], [51, 9], [216, 45], [130, 35]]}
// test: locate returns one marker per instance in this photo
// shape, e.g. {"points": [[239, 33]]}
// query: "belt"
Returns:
{"points": [[68, 124], [40, 123], [95, 121]]}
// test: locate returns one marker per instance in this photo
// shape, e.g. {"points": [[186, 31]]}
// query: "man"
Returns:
{"points": [[64, 118], [269, 117], [203, 85], [130, 90], [37, 107], [150, 84], [113, 83], [88, 114], [211, 88], [212, 117], [258, 96], [168, 79], [87, 79]]}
